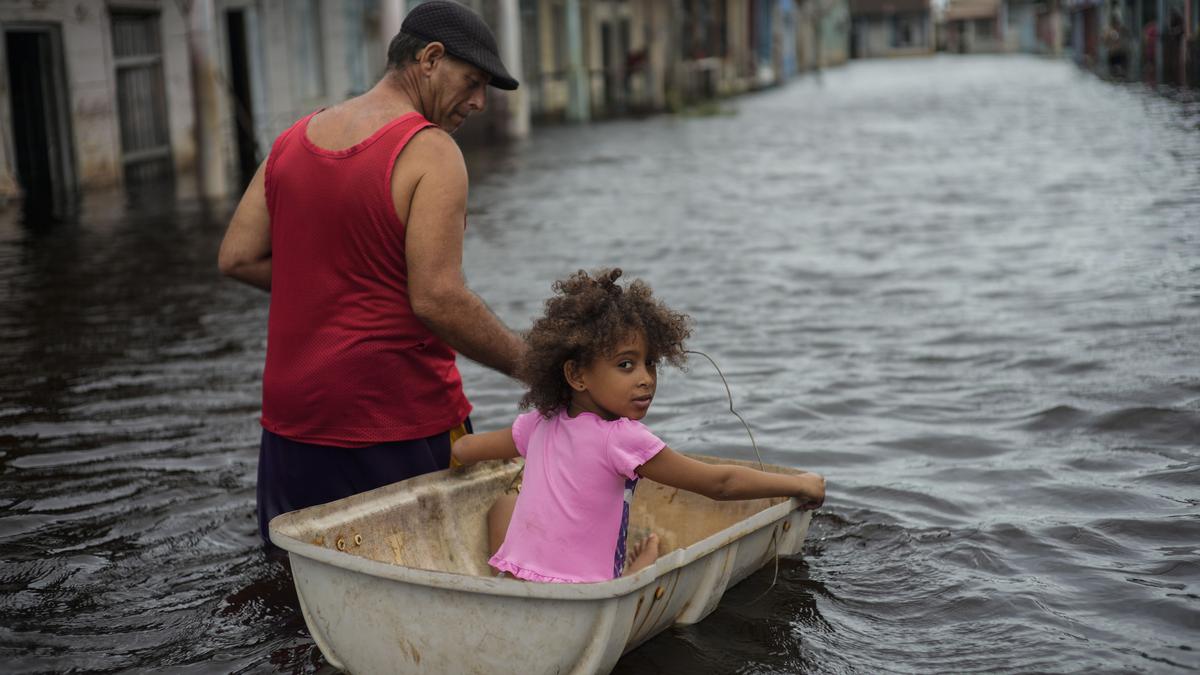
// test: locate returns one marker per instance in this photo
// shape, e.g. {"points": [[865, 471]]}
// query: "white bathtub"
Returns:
{"points": [[396, 580]]}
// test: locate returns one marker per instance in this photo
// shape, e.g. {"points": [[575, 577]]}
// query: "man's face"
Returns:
{"points": [[459, 89]]}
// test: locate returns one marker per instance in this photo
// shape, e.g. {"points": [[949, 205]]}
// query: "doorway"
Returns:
{"points": [[614, 52], [40, 125], [241, 99]]}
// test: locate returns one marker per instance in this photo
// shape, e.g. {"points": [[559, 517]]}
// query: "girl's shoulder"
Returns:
{"points": [[625, 428], [526, 426], [591, 424], [530, 417], [626, 423], [630, 444], [590, 419]]}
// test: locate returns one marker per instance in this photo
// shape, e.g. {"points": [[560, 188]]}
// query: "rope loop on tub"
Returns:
{"points": [[729, 393]]}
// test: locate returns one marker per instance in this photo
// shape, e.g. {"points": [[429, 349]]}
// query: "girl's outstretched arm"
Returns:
{"points": [[725, 481], [473, 448]]}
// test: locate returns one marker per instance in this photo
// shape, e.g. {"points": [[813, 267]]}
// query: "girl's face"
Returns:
{"points": [[620, 384]]}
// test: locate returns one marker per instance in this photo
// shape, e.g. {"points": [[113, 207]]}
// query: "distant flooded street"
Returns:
{"points": [[967, 290]]}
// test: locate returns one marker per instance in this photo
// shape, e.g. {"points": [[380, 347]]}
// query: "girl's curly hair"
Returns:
{"points": [[587, 318]]}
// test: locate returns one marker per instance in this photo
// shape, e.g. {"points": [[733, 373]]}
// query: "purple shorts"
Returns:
{"points": [[293, 475]]}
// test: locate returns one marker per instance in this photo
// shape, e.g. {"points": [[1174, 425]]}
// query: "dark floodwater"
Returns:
{"points": [[966, 290]]}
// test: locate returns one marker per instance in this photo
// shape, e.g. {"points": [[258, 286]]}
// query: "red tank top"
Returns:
{"points": [[348, 363]]}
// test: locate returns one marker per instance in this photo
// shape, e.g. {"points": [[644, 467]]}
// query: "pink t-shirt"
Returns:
{"points": [[570, 520]]}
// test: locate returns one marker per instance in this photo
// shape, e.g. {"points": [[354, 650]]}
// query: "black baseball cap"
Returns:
{"points": [[464, 34]]}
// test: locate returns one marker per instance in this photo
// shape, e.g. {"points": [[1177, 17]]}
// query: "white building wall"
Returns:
{"points": [[178, 81], [879, 38], [553, 60], [639, 82], [281, 107], [663, 48], [92, 90], [876, 37]]}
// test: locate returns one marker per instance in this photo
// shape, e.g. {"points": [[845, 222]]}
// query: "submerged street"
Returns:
{"points": [[965, 290]]}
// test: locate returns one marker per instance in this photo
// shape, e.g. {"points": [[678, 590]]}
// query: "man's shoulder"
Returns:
{"points": [[432, 146], [432, 159]]}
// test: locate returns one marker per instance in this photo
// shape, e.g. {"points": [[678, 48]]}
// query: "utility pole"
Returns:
{"points": [[1158, 40], [199, 18], [1135, 27], [674, 61], [391, 15], [579, 107], [649, 28], [517, 122], [817, 12], [1101, 47], [619, 51]]}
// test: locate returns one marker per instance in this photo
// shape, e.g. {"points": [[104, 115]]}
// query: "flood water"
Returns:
{"points": [[967, 290]]}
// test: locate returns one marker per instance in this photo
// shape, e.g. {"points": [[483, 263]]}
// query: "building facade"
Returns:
{"points": [[975, 26], [891, 28], [1033, 26], [1154, 40], [90, 95], [822, 34], [597, 58], [100, 93]]}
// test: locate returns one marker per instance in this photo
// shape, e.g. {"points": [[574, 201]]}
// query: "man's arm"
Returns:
{"points": [[434, 247], [246, 250]]}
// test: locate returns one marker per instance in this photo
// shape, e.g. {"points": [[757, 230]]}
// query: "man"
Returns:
{"points": [[355, 223]]}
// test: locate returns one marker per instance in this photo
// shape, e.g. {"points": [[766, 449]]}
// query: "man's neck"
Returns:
{"points": [[397, 91]]}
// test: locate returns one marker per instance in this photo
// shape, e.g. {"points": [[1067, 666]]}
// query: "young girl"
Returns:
{"points": [[591, 372]]}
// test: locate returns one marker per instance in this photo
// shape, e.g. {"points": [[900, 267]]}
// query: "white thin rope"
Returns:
{"points": [[729, 394], [761, 465]]}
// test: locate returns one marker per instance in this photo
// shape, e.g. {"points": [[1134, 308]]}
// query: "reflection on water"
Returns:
{"points": [[964, 289]]}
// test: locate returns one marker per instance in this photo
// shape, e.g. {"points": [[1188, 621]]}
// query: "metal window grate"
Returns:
{"points": [[141, 96], [135, 34]]}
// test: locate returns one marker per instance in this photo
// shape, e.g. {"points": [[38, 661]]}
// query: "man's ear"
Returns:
{"points": [[574, 375], [430, 55]]}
